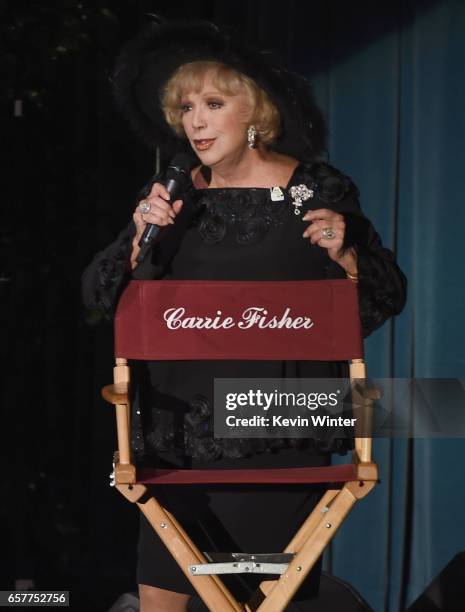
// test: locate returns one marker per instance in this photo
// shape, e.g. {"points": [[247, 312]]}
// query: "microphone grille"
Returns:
{"points": [[183, 162]]}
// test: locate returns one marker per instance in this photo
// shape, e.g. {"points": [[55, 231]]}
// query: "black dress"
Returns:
{"points": [[238, 234]]}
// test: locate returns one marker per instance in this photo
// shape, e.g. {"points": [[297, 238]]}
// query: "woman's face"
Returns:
{"points": [[216, 123]]}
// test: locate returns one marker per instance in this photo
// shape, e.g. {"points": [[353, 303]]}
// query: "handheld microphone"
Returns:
{"points": [[177, 181]]}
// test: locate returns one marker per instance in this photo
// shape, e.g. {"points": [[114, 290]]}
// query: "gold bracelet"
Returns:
{"points": [[352, 277]]}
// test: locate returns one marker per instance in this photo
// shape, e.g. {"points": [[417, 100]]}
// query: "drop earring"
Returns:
{"points": [[252, 137]]}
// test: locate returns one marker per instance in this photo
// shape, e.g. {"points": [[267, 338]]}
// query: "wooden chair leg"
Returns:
{"points": [[210, 588], [295, 544], [325, 526], [312, 521]]}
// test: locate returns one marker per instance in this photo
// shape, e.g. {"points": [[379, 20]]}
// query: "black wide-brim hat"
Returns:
{"points": [[148, 61]]}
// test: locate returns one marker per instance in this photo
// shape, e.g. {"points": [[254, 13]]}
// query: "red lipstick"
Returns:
{"points": [[202, 144]]}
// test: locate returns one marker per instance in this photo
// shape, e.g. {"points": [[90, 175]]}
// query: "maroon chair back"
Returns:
{"points": [[247, 320]]}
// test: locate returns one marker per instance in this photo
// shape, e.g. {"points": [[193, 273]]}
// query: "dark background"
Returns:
{"points": [[71, 169]]}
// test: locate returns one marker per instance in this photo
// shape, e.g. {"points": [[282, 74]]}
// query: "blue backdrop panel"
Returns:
{"points": [[394, 103]]}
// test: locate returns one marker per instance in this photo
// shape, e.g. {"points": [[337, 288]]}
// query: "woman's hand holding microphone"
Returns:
{"points": [[156, 210]]}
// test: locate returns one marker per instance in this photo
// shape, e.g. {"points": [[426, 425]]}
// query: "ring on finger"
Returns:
{"points": [[145, 207], [328, 233]]}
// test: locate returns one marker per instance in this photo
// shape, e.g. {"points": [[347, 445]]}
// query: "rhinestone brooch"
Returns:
{"points": [[299, 194]]}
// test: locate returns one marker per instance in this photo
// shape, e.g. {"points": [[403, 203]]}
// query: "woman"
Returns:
{"points": [[260, 208]]}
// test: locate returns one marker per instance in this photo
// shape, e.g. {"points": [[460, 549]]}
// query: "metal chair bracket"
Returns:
{"points": [[241, 563]]}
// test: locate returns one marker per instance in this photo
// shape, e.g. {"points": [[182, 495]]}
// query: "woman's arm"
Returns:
{"points": [[105, 278], [382, 285]]}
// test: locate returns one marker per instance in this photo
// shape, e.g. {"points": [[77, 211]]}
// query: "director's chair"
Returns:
{"points": [[142, 333]]}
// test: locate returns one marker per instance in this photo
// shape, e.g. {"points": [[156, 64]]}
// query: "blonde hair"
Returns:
{"points": [[230, 82]]}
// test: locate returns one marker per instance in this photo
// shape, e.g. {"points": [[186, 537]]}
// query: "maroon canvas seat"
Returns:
{"points": [[297, 475]]}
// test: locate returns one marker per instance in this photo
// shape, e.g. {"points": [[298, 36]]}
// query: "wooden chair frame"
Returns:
{"points": [[308, 543]]}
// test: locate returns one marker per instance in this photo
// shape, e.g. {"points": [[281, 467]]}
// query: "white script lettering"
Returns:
{"points": [[254, 316]]}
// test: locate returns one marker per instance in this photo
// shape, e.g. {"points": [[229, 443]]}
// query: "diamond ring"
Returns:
{"points": [[328, 233], [145, 207]]}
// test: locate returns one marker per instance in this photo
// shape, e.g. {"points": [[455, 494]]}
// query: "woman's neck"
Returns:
{"points": [[256, 168]]}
